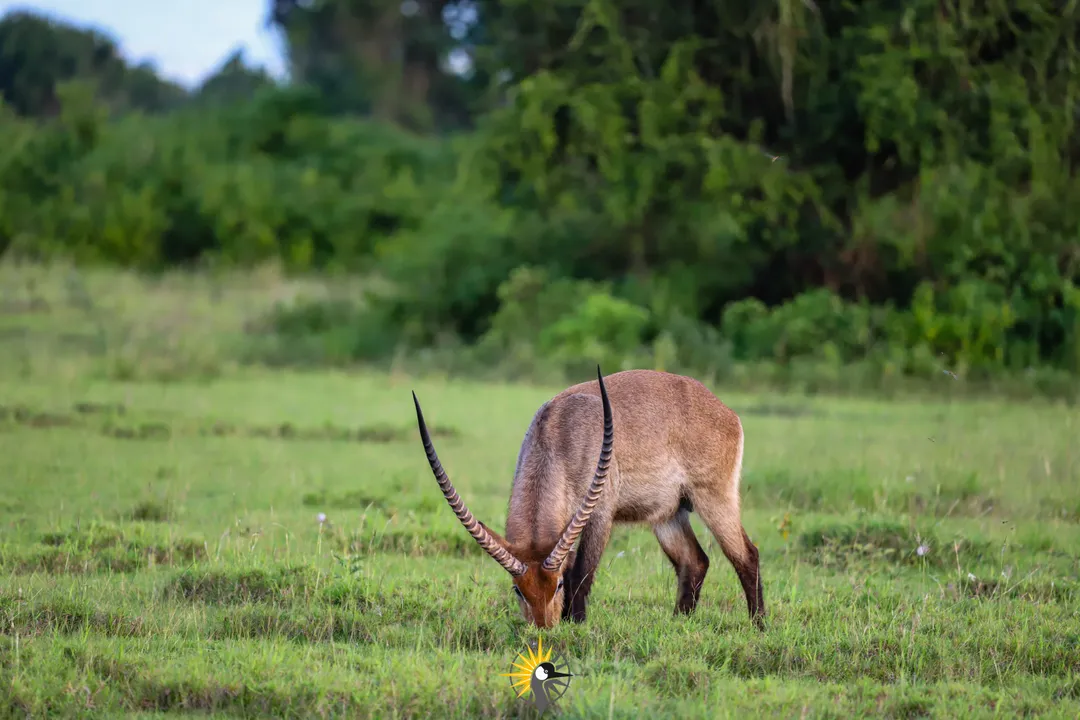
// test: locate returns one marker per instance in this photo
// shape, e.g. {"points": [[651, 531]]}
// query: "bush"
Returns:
{"points": [[567, 324], [885, 198], [273, 180]]}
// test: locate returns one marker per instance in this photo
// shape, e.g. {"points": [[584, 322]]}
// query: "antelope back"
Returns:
{"points": [[669, 426]]}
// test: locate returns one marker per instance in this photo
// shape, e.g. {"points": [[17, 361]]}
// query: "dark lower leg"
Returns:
{"points": [[691, 578], [722, 519], [579, 579], [691, 564], [568, 583], [576, 595], [748, 570]]}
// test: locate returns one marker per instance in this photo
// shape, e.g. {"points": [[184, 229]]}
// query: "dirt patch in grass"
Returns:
{"points": [[855, 490], [139, 431], [297, 603], [293, 587], [1067, 510], [313, 625], [956, 496], [151, 511], [238, 587], [1039, 592], [677, 679], [399, 500], [348, 594], [86, 415], [63, 615], [102, 547], [328, 432], [32, 418], [147, 688], [140, 685], [352, 500], [412, 541], [874, 657], [58, 561], [95, 408], [838, 544], [782, 410]]}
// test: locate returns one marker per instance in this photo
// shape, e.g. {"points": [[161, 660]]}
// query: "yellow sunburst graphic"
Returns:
{"points": [[526, 665]]}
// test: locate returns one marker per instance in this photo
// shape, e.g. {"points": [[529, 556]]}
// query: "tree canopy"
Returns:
{"points": [[797, 180]]}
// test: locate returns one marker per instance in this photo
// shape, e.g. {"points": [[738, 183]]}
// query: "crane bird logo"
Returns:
{"points": [[540, 674]]}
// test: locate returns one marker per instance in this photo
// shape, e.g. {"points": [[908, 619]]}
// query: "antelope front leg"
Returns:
{"points": [[579, 579]]}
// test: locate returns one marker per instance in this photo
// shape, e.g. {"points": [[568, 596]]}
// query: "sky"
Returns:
{"points": [[186, 40]]}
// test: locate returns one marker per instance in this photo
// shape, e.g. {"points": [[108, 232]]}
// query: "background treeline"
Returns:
{"points": [[829, 193]]}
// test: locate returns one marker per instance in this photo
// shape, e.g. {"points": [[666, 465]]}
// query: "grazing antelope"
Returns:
{"points": [[678, 449]]}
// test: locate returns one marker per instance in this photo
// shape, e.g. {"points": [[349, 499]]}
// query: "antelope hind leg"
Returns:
{"points": [[677, 540], [722, 519]]}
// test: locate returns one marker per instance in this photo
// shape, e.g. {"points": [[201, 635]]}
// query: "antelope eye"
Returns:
{"points": [[517, 591], [559, 586]]}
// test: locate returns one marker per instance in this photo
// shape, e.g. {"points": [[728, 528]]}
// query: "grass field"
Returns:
{"points": [[163, 551]]}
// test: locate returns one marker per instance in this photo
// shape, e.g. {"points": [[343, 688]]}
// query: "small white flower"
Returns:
{"points": [[971, 576], [910, 478], [621, 553], [922, 550], [321, 517]]}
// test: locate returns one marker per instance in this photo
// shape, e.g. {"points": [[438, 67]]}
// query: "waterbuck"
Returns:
{"points": [[678, 449]]}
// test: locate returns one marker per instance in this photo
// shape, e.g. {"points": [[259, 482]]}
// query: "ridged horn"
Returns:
{"points": [[555, 560], [491, 546]]}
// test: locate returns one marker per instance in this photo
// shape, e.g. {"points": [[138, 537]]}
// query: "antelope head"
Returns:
{"points": [[538, 579]]}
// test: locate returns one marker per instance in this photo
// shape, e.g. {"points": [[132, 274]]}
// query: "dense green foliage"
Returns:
{"points": [[808, 187]]}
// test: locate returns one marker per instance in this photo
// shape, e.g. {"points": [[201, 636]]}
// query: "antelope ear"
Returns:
{"points": [[496, 537]]}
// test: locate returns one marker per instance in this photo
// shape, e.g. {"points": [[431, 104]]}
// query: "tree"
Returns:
{"points": [[234, 81], [380, 58], [38, 54]]}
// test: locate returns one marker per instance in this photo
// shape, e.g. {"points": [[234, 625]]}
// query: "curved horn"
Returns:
{"points": [[581, 517], [492, 546]]}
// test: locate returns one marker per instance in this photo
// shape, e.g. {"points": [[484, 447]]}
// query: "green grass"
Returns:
{"points": [[61, 322], [161, 550], [185, 569]]}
